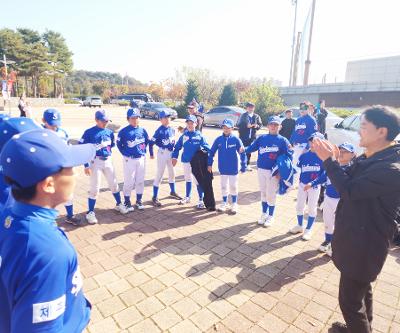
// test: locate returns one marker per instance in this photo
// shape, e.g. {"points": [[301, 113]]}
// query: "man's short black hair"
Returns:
{"points": [[383, 116], [288, 110], [23, 194]]}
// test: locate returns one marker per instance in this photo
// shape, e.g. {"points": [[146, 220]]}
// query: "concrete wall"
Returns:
{"points": [[35, 102]]}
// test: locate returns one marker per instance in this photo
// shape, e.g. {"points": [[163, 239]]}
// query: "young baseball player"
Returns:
{"points": [[331, 200], [8, 128], [41, 283], [52, 121], [304, 127], [132, 142], [269, 147], [164, 139], [311, 169], [103, 139], [228, 147], [191, 141]]}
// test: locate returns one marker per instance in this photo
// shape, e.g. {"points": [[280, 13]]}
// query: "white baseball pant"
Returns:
{"points": [[298, 149], [134, 169], [187, 173], [230, 181], [268, 186], [106, 168], [329, 212], [164, 160], [313, 195]]}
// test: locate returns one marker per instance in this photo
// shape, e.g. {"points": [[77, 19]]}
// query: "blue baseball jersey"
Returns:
{"points": [[191, 142], [330, 190], [40, 280], [311, 167], [164, 137], [269, 147], [228, 148], [303, 128], [132, 142], [102, 138]]}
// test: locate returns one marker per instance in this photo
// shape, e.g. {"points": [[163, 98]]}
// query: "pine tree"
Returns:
{"points": [[191, 91], [228, 96]]}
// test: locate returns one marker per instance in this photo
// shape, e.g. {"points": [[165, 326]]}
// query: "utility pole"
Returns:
{"points": [[308, 61], [294, 2], [296, 58]]}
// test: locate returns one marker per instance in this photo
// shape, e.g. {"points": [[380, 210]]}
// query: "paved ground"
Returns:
{"points": [[175, 269]]}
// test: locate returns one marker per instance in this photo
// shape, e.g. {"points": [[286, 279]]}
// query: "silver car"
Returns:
{"points": [[217, 115], [92, 101]]}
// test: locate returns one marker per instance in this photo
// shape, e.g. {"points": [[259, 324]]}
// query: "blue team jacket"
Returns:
{"points": [[269, 148], [228, 148], [191, 142], [132, 142], [303, 128]]}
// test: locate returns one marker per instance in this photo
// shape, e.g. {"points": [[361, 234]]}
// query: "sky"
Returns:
{"points": [[151, 39]]}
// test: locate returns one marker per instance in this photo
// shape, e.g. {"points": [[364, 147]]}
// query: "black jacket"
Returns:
{"points": [[248, 135], [366, 213], [287, 127]]}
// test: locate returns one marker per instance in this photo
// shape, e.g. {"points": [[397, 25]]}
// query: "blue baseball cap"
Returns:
{"points": [[12, 126], [102, 115], [43, 153], [164, 114], [228, 123], [317, 135], [52, 117], [191, 118], [133, 113], [347, 146], [274, 120]]}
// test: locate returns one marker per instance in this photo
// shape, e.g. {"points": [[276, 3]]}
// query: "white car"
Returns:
{"points": [[92, 101]]}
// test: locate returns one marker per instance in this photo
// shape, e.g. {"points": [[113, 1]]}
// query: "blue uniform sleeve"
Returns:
{"points": [[291, 139], [149, 142], [204, 144], [312, 126], [178, 147], [300, 162], [41, 301], [254, 146], [322, 178], [212, 152], [85, 139], [286, 147], [112, 137], [243, 157], [120, 141]]}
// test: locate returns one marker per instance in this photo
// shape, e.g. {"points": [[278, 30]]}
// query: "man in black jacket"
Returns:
{"points": [[365, 217], [287, 125], [249, 123]]}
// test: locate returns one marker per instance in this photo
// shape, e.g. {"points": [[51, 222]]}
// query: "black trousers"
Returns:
{"points": [[355, 300], [247, 142], [203, 177]]}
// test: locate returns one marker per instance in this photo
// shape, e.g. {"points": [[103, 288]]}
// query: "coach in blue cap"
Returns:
{"points": [[40, 280]]}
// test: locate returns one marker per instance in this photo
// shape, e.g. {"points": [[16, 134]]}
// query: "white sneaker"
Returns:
{"points": [[91, 218], [263, 219], [234, 208], [307, 235], [129, 208], [297, 229], [139, 205], [184, 201], [269, 221], [121, 208], [326, 247], [223, 207], [200, 205]]}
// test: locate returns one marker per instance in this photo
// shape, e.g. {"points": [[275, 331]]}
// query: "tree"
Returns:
{"points": [[228, 96], [191, 91]]}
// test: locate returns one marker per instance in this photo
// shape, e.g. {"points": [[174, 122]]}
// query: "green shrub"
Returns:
{"points": [[123, 102], [181, 110], [71, 101]]}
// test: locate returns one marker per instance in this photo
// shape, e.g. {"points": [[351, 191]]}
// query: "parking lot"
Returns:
{"points": [[177, 269]]}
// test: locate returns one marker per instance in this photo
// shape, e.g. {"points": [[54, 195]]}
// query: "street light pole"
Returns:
{"points": [[308, 61], [294, 2]]}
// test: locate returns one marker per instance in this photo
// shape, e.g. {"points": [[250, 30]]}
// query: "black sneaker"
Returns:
{"points": [[211, 209], [156, 202], [339, 328], [175, 196], [76, 221]]}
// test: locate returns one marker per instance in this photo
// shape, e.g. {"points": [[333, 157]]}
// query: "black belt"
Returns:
{"points": [[103, 158]]}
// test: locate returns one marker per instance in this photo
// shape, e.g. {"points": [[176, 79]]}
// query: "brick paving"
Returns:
{"points": [[176, 269]]}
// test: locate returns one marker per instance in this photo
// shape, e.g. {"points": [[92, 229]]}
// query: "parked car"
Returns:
{"points": [[77, 100], [346, 130], [92, 101], [153, 110], [216, 116]]}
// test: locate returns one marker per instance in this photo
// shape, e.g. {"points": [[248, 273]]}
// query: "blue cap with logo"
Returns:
{"points": [[52, 117], [228, 123], [102, 115], [133, 113], [191, 118], [317, 135], [12, 126], [164, 114], [43, 153], [274, 120], [347, 146]]}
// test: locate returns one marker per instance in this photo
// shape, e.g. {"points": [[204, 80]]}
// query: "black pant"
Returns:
{"points": [[355, 300]]}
